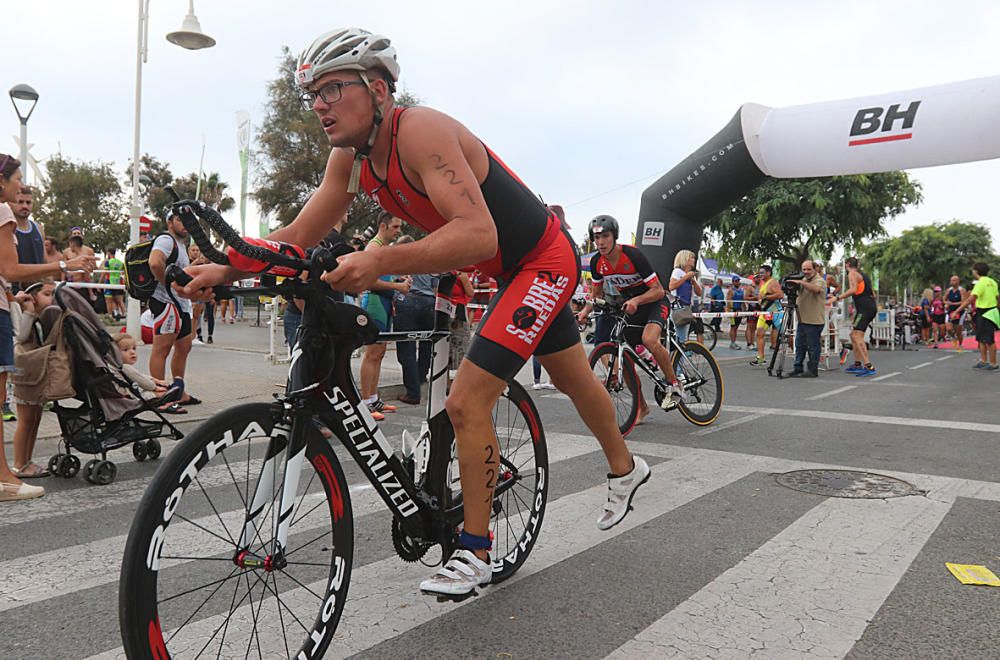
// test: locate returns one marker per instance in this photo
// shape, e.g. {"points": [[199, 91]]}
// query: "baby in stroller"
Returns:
{"points": [[71, 359], [154, 388]]}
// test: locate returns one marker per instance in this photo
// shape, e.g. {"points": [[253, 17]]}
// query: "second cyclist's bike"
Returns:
{"points": [[618, 366]]}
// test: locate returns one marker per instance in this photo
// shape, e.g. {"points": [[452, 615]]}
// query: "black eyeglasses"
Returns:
{"points": [[330, 93]]}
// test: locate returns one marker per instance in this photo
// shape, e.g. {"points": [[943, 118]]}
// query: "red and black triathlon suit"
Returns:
{"points": [[632, 276], [536, 265]]}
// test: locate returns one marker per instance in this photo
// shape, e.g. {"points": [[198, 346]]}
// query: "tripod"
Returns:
{"points": [[784, 338]]}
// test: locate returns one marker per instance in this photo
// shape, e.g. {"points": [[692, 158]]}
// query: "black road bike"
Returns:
{"points": [[617, 366], [243, 544]]}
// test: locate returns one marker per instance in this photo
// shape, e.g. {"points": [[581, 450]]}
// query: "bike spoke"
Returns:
{"points": [[228, 541], [292, 578], [236, 485], [277, 597], [302, 499], [281, 618], [216, 511], [289, 554], [192, 615]]}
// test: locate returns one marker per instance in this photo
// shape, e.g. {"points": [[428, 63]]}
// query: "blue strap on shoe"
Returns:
{"points": [[473, 542]]}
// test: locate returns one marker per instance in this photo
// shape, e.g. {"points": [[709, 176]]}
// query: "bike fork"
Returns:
{"points": [[287, 445]]}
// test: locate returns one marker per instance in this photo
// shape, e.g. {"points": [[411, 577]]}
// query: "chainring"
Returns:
{"points": [[405, 547]]}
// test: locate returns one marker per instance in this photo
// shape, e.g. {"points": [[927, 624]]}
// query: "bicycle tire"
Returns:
{"points": [[700, 415], [176, 542], [624, 391], [518, 512], [711, 337]]}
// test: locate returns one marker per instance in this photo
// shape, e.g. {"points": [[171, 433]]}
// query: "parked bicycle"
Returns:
{"points": [[244, 540], [618, 365]]}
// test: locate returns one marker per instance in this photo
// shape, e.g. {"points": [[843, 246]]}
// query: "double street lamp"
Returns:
{"points": [[28, 97], [190, 37]]}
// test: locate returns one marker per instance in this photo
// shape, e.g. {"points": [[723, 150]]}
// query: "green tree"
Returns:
{"points": [[86, 195], [160, 176], [930, 254], [292, 151], [793, 219]]}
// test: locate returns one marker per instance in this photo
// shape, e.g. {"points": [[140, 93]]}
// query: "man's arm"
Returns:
{"points": [[854, 280], [774, 291], [158, 263]]}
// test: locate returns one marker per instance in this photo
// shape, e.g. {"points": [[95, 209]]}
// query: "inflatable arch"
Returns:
{"points": [[953, 123]]}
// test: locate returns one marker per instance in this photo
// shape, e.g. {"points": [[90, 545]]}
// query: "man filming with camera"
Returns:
{"points": [[811, 298]]}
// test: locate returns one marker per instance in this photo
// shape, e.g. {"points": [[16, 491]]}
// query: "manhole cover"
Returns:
{"points": [[846, 483]]}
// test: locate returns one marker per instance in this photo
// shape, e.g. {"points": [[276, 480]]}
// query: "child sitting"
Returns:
{"points": [[127, 347]]}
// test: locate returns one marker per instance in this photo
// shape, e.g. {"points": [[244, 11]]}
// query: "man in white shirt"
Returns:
{"points": [[171, 312]]}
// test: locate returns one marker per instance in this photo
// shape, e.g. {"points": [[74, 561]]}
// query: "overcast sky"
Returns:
{"points": [[589, 102]]}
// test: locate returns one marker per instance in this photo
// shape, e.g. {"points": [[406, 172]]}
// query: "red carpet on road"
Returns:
{"points": [[968, 343]]}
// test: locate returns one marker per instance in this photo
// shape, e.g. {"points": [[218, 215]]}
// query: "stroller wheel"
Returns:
{"points": [[139, 450], [54, 463], [153, 449], [88, 469], [104, 473], [69, 466]]}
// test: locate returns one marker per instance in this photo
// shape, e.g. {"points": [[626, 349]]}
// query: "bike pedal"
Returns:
{"points": [[452, 598]]}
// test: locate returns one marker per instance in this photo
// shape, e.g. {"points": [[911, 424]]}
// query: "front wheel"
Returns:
{"points": [[701, 377], [190, 587], [620, 380]]}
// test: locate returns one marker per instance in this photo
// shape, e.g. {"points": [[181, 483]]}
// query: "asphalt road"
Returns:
{"points": [[716, 560]]}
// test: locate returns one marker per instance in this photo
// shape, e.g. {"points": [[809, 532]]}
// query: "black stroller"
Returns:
{"points": [[112, 411]]}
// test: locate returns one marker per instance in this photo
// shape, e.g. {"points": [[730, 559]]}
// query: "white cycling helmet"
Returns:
{"points": [[351, 49]]}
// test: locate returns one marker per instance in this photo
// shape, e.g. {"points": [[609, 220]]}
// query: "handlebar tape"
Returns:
{"points": [[255, 259]]}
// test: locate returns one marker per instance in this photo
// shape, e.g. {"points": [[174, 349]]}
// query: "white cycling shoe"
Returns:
{"points": [[460, 576], [621, 490]]}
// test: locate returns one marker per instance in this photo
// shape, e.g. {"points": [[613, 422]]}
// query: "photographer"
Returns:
{"points": [[811, 298]]}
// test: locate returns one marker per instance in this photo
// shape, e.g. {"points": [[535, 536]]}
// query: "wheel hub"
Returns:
{"points": [[269, 564]]}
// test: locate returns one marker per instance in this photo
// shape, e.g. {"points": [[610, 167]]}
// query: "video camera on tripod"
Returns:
{"points": [[791, 289]]}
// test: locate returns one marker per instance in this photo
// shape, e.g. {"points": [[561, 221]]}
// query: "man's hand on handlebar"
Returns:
{"points": [[630, 306], [355, 272], [203, 278]]}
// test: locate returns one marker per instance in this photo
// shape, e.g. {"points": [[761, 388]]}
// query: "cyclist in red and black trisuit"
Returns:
{"points": [[430, 170], [646, 307]]}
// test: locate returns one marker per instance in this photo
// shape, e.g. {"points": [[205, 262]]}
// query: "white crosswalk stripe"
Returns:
{"points": [[813, 587]]}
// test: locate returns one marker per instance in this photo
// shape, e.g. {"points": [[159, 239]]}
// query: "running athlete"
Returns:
{"points": [[430, 170], [954, 297], [770, 296], [734, 298], [859, 287], [630, 272]]}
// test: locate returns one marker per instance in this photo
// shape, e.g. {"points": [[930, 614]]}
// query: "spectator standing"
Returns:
{"points": [[378, 303], [954, 297], [937, 316], [925, 315], [984, 297], [684, 285], [114, 299], [75, 248], [414, 311], [734, 302], [11, 487], [462, 294], [30, 240], [53, 253], [198, 309], [751, 303], [812, 319], [717, 303], [171, 312]]}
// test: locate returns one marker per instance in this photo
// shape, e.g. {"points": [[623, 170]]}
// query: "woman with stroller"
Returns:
{"points": [[11, 486]]}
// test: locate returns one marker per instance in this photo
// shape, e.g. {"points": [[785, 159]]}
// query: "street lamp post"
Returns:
{"points": [[190, 37], [28, 95]]}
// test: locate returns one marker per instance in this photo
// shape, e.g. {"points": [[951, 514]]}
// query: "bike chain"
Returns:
{"points": [[407, 550]]}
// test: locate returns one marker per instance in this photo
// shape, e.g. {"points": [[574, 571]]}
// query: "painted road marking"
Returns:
{"points": [[871, 419], [731, 423], [920, 366], [831, 393], [887, 376], [946, 357]]}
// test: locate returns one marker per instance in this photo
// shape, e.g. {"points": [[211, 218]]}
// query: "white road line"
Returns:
{"points": [[871, 419], [810, 590], [383, 600], [731, 423], [946, 357], [886, 377], [34, 578], [830, 393], [920, 366]]}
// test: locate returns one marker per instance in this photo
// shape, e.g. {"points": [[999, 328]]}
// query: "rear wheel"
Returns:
{"points": [[620, 380], [522, 483], [701, 377], [187, 587]]}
